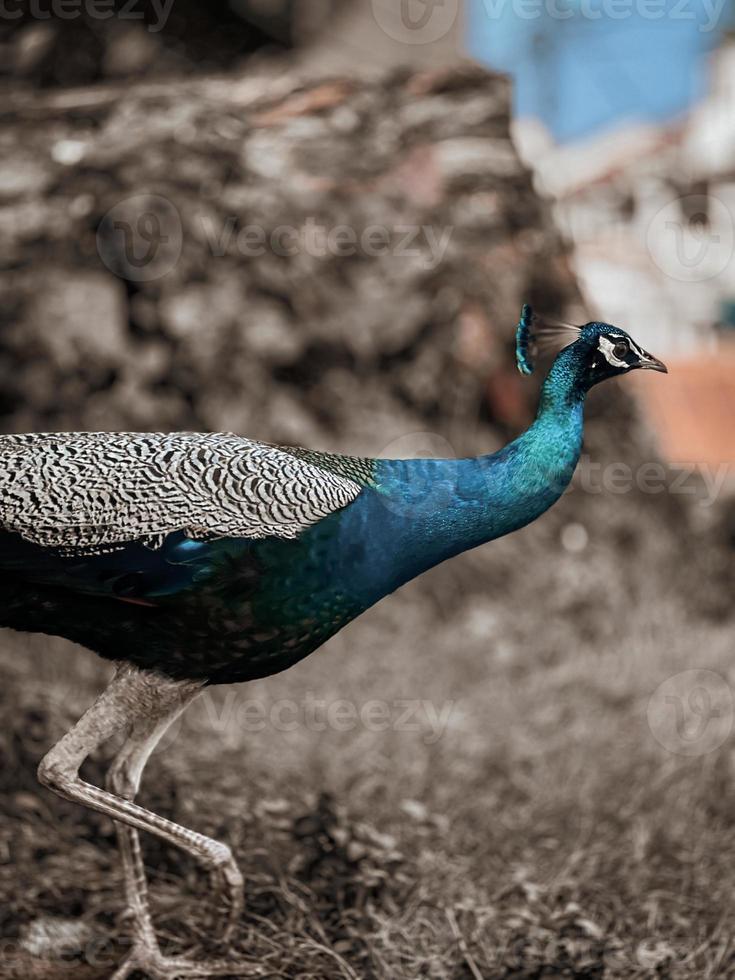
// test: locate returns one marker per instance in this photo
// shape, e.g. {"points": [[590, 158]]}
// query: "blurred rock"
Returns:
{"points": [[82, 321], [55, 936], [130, 51], [32, 46], [50, 45]]}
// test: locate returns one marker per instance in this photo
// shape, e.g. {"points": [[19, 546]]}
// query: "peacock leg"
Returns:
{"points": [[144, 704], [123, 779]]}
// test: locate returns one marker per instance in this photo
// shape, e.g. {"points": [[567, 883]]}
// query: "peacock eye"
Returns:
{"points": [[621, 349]]}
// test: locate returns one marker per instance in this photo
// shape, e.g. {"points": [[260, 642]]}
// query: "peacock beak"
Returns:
{"points": [[650, 363]]}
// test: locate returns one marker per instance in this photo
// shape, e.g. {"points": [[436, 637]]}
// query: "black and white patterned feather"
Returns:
{"points": [[94, 492]]}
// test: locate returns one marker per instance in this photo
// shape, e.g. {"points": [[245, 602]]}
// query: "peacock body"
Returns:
{"points": [[236, 581], [216, 557], [204, 559]]}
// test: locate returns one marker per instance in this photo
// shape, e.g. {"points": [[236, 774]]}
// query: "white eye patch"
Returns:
{"points": [[606, 345]]}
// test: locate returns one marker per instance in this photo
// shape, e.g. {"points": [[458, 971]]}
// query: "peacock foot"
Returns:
{"points": [[146, 958]]}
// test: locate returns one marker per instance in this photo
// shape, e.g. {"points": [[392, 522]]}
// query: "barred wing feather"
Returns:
{"points": [[86, 493]]}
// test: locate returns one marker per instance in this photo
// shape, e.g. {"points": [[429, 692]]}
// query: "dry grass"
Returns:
{"points": [[544, 833]]}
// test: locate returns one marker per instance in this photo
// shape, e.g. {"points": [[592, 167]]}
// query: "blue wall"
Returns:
{"points": [[582, 66]]}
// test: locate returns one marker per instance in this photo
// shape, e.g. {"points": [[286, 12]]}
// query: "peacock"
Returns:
{"points": [[197, 559]]}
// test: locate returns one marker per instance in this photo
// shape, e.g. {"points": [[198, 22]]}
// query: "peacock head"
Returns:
{"points": [[590, 353]]}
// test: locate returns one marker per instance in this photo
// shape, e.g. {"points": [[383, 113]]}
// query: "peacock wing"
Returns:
{"points": [[88, 510]]}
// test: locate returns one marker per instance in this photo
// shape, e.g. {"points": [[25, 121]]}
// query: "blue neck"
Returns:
{"points": [[439, 508]]}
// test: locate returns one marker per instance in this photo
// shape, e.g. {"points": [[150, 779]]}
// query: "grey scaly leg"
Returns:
{"points": [[123, 779], [145, 704]]}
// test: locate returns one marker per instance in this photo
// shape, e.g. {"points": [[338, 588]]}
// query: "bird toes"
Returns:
{"points": [[146, 958]]}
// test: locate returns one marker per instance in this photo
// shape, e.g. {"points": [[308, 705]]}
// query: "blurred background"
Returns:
{"points": [[315, 223]]}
